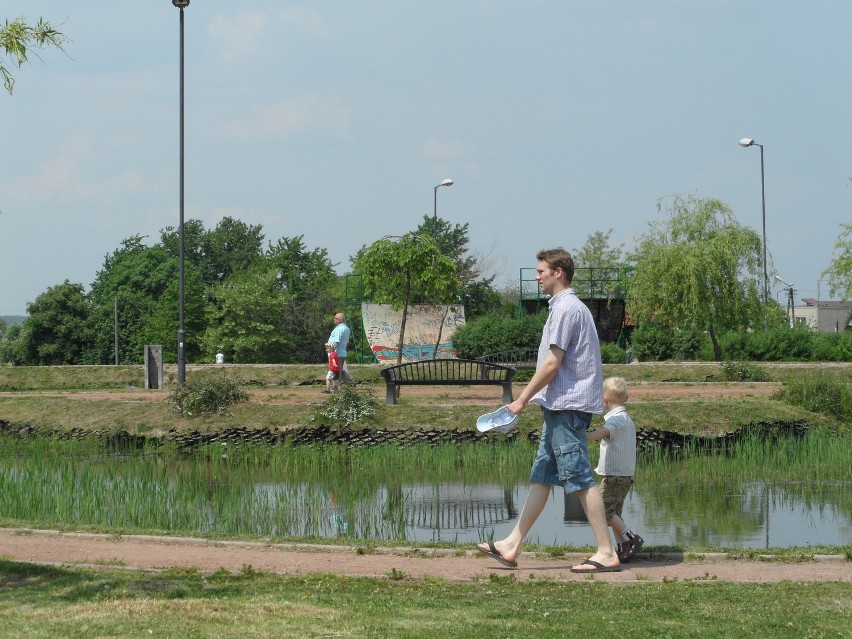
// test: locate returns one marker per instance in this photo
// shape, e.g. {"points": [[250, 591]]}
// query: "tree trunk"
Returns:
{"points": [[717, 352], [441, 331], [404, 319]]}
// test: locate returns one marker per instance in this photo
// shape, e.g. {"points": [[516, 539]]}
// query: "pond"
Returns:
{"points": [[754, 515], [423, 494]]}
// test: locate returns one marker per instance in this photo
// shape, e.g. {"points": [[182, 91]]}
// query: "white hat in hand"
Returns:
{"points": [[501, 421]]}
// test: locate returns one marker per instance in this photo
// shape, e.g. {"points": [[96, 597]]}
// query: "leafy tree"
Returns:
{"points": [[480, 299], [598, 266], [839, 272], [232, 247], [246, 318], [300, 271], [394, 270], [57, 329], [146, 280], [11, 351], [309, 279], [697, 269], [18, 39], [478, 294], [162, 323]]}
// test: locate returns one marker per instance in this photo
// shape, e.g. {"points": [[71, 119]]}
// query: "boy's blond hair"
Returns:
{"points": [[615, 388]]}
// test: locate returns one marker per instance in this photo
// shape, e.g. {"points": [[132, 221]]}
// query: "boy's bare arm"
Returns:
{"points": [[596, 435]]}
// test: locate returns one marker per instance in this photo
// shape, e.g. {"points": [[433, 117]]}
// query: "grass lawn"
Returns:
{"points": [[42, 601]]}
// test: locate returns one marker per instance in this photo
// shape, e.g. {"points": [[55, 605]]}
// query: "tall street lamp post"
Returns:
{"points": [[181, 335], [447, 182], [746, 142]]}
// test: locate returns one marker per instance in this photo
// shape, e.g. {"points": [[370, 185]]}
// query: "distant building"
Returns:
{"points": [[825, 316]]}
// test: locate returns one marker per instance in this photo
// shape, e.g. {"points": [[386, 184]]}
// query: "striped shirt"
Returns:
{"points": [[618, 451], [578, 383]]}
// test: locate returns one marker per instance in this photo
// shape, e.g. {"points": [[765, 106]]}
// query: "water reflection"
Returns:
{"points": [[399, 498], [750, 515]]}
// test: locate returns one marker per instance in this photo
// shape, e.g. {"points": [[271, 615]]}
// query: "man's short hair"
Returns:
{"points": [[558, 258], [616, 388]]}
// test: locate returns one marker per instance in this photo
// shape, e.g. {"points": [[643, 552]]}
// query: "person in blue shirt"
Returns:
{"points": [[339, 339]]}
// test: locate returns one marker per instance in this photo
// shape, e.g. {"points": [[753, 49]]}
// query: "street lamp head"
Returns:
{"points": [[180, 4], [447, 182], [746, 142]]}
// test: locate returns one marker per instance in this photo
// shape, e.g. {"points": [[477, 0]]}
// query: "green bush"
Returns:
{"points": [[612, 353], [651, 343], [687, 344], [494, 333], [785, 344], [743, 372], [821, 393], [348, 406], [833, 347], [211, 394]]}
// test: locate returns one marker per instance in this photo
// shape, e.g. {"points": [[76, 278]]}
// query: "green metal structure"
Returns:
{"points": [[353, 296], [602, 289]]}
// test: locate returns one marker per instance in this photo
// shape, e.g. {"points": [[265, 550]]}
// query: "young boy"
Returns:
{"points": [[332, 377], [617, 463]]}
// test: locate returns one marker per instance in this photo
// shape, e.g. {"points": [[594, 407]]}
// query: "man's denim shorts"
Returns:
{"points": [[563, 451]]}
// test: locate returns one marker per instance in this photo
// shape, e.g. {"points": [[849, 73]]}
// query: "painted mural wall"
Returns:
{"points": [[425, 325]]}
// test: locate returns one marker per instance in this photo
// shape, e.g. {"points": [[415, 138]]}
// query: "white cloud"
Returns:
{"points": [[241, 37], [246, 36], [445, 148], [289, 117], [309, 22], [65, 177]]}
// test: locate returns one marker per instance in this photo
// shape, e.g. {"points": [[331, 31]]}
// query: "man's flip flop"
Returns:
{"points": [[596, 567], [495, 554]]}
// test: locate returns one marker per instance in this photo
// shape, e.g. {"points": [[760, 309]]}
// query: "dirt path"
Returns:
{"points": [[142, 552], [293, 395]]}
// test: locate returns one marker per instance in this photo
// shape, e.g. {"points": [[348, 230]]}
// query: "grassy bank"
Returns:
{"points": [[42, 601], [109, 399]]}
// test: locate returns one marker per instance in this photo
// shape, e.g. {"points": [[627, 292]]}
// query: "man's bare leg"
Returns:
{"points": [[533, 505]]}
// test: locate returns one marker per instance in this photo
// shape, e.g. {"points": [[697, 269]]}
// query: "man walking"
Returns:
{"points": [[568, 385], [339, 339]]}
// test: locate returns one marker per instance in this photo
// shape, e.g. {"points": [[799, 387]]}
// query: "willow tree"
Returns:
{"points": [[839, 272], [698, 268], [394, 270], [18, 40]]}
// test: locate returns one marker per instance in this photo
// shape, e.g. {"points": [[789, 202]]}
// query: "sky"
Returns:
{"points": [[335, 121]]}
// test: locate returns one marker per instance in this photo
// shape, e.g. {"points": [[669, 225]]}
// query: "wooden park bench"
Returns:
{"points": [[447, 372], [517, 358]]}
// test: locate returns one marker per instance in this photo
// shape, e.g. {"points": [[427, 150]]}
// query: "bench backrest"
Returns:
{"points": [[524, 358], [450, 370]]}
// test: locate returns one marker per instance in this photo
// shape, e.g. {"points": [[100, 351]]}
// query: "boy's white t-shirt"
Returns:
{"points": [[618, 451]]}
